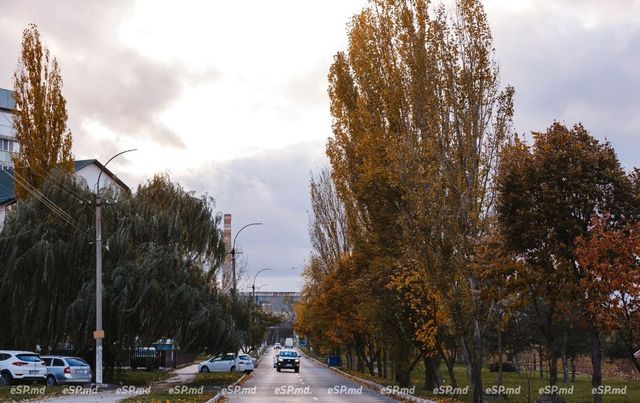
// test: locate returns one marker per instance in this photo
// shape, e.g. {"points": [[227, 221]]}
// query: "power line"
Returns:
{"points": [[69, 192], [48, 203], [42, 197]]}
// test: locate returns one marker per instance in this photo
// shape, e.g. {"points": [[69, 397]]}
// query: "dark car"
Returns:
{"points": [[288, 359], [146, 357], [506, 367]]}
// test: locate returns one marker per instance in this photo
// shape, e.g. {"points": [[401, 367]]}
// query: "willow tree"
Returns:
{"points": [[45, 261], [419, 117], [41, 117], [163, 246]]}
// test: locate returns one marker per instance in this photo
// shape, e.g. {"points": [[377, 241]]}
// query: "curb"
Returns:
{"points": [[372, 385], [219, 395]]}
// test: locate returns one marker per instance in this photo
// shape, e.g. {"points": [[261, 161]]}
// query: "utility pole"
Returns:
{"points": [[253, 287], [233, 258], [98, 334]]}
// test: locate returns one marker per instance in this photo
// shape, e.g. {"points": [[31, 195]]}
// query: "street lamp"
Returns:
{"points": [[98, 335], [253, 287], [233, 255]]}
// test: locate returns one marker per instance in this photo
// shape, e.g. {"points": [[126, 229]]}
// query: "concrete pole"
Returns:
{"points": [[233, 268], [99, 333]]}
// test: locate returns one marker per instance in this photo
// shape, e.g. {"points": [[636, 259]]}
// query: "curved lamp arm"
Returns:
{"points": [[105, 165]]}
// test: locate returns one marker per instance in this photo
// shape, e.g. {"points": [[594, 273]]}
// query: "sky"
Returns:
{"points": [[229, 97]]}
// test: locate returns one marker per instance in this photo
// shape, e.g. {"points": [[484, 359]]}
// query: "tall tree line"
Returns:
{"points": [[436, 228]]}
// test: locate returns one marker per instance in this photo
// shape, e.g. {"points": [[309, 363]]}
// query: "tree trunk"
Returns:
{"points": [[553, 366], [499, 361], [432, 377], [540, 361], [404, 367], [573, 369], [451, 362], [474, 363], [565, 362], [379, 362], [384, 366], [476, 370], [596, 363]]}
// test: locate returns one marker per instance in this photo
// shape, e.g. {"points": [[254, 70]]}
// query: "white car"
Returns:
{"points": [[227, 363], [21, 366]]}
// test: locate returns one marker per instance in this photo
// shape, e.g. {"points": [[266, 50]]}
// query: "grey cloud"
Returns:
{"points": [[310, 88], [104, 79], [566, 70], [270, 187]]}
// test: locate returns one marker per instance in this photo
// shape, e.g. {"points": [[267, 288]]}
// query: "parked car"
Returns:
{"points": [[147, 357], [506, 367], [277, 346], [227, 363], [288, 342], [63, 369], [288, 359], [254, 360], [275, 360], [21, 366]]}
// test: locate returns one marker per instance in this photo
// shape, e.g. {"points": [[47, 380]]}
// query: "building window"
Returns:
{"points": [[8, 145]]}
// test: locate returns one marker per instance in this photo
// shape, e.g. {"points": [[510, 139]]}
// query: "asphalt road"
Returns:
{"points": [[314, 383]]}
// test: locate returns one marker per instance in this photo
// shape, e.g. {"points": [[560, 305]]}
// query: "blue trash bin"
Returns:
{"points": [[333, 361]]}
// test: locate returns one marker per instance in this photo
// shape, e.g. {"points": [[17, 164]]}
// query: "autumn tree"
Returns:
{"points": [[41, 118], [419, 118], [548, 193], [610, 284]]}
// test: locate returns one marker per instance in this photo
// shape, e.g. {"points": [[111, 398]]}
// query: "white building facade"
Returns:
{"points": [[8, 142]]}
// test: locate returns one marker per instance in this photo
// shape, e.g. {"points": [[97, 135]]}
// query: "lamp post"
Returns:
{"points": [[233, 256], [98, 334], [253, 287]]}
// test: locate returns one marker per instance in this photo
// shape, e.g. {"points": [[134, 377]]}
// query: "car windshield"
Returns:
{"points": [[76, 362], [245, 357], [29, 357], [289, 354]]}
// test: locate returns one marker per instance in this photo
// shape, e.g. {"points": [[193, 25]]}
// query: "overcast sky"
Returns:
{"points": [[229, 97]]}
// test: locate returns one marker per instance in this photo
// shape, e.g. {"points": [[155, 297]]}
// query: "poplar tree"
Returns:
{"points": [[41, 115]]}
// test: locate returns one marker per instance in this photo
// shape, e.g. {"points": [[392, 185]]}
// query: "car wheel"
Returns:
{"points": [[5, 378], [279, 369], [204, 369], [297, 370], [51, 380], [233, 368]]}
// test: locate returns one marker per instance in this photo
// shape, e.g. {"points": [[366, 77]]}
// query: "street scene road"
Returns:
{"points": [[314, 383], [439, 199]]}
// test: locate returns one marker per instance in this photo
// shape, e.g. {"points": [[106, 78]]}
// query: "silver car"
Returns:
{"points": [[62, 369]]}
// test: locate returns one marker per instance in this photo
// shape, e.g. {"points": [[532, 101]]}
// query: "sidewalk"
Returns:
{"points": [[180, 377], [370, 384]]}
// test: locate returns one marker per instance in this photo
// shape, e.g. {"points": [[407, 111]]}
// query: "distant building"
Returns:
{"points": [[87, 170], [8, 143], [277, 302]]}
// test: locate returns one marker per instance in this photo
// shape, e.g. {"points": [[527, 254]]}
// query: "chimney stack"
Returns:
{"points": [[227, 232]]}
